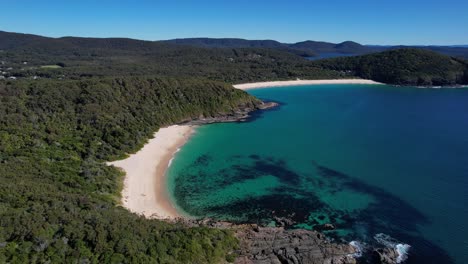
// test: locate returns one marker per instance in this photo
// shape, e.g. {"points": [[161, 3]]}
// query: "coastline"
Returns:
{"points": [[145, 193], [144, 186], [145, 189], [257, 85]]}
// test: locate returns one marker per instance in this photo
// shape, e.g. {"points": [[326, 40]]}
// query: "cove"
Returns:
{"points": [[368, 159]]}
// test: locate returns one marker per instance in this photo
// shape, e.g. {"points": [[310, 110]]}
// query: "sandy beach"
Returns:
{"points": [[247, 86], [144, 189]]}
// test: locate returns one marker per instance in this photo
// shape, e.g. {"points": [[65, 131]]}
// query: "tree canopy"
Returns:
{"points": [[58, 199]]}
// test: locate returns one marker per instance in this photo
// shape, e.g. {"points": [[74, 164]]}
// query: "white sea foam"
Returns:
{"points": [[388, 241], [170, 162], [173, 156], [359, 248], [402, 250]]}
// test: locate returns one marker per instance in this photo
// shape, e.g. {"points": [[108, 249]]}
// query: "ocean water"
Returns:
{"points": [[385, 165]]}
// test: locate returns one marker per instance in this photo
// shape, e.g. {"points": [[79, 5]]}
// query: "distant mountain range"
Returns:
{"points": [[307, 48], [459, 46], [314, 48]]}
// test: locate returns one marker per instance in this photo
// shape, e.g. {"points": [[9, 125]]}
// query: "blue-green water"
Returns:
{"points": [[368, 159]]}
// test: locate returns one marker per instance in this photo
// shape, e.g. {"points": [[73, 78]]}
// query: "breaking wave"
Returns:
{"points": [[388, 241], [359, 249]]}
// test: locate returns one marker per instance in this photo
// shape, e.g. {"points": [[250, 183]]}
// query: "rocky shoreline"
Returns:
{"points": [[262, 245], [241, 115], [279, 245]]}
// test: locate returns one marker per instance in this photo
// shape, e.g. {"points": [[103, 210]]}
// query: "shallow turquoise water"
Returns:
{"points": [[369, 159]]}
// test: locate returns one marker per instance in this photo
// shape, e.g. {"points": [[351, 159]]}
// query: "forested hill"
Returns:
{"points": [[77, 58], [307, 48], [27, 42], [313, 48], [241, 43], [403, 67], [58, 199]]}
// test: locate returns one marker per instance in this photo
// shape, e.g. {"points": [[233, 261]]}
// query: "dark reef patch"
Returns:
{"points": [[298, 202], [203, 160], [254, 157], [278, 169]]}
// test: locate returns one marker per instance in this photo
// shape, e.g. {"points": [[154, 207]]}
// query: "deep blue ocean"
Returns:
{"points": [[369, 159]]}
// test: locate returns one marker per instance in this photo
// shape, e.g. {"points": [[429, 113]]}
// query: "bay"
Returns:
{"points": [[369, 159]]}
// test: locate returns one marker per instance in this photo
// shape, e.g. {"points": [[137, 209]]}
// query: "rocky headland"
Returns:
{"points": [[242, 114]]}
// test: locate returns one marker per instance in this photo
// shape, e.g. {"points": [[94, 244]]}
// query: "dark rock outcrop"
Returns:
{"points": [[385, 256], [262, 245], [325, 227], [277, 245], [267, 105], [240, 115], [283, 221]]}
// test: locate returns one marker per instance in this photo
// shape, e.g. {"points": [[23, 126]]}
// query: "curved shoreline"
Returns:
{"points": [[257, 85], [145, 187]]}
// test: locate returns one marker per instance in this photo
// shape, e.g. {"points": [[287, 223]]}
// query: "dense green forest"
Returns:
{"points": [[57, 197], [227, 65], [29, 56], [403, 67], [79, 58]]}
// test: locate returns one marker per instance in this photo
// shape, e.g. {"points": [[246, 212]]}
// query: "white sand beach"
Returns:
{"points": [[144, 189], [247, 86]]}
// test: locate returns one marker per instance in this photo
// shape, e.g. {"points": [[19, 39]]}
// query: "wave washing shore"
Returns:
{"points": [[145, 189], [247, 86]]}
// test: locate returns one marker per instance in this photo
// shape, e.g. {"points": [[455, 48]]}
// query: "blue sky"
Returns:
{"points": [[365, 21]]}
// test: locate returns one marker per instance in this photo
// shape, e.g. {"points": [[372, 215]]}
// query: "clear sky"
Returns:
{"points": [[430, 22]]}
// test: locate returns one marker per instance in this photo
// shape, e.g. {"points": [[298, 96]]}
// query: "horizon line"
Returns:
{"points": [[239, 38]]}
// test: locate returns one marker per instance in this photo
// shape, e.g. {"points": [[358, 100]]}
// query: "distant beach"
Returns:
{"points": [[256, 85], [145, 191]]}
